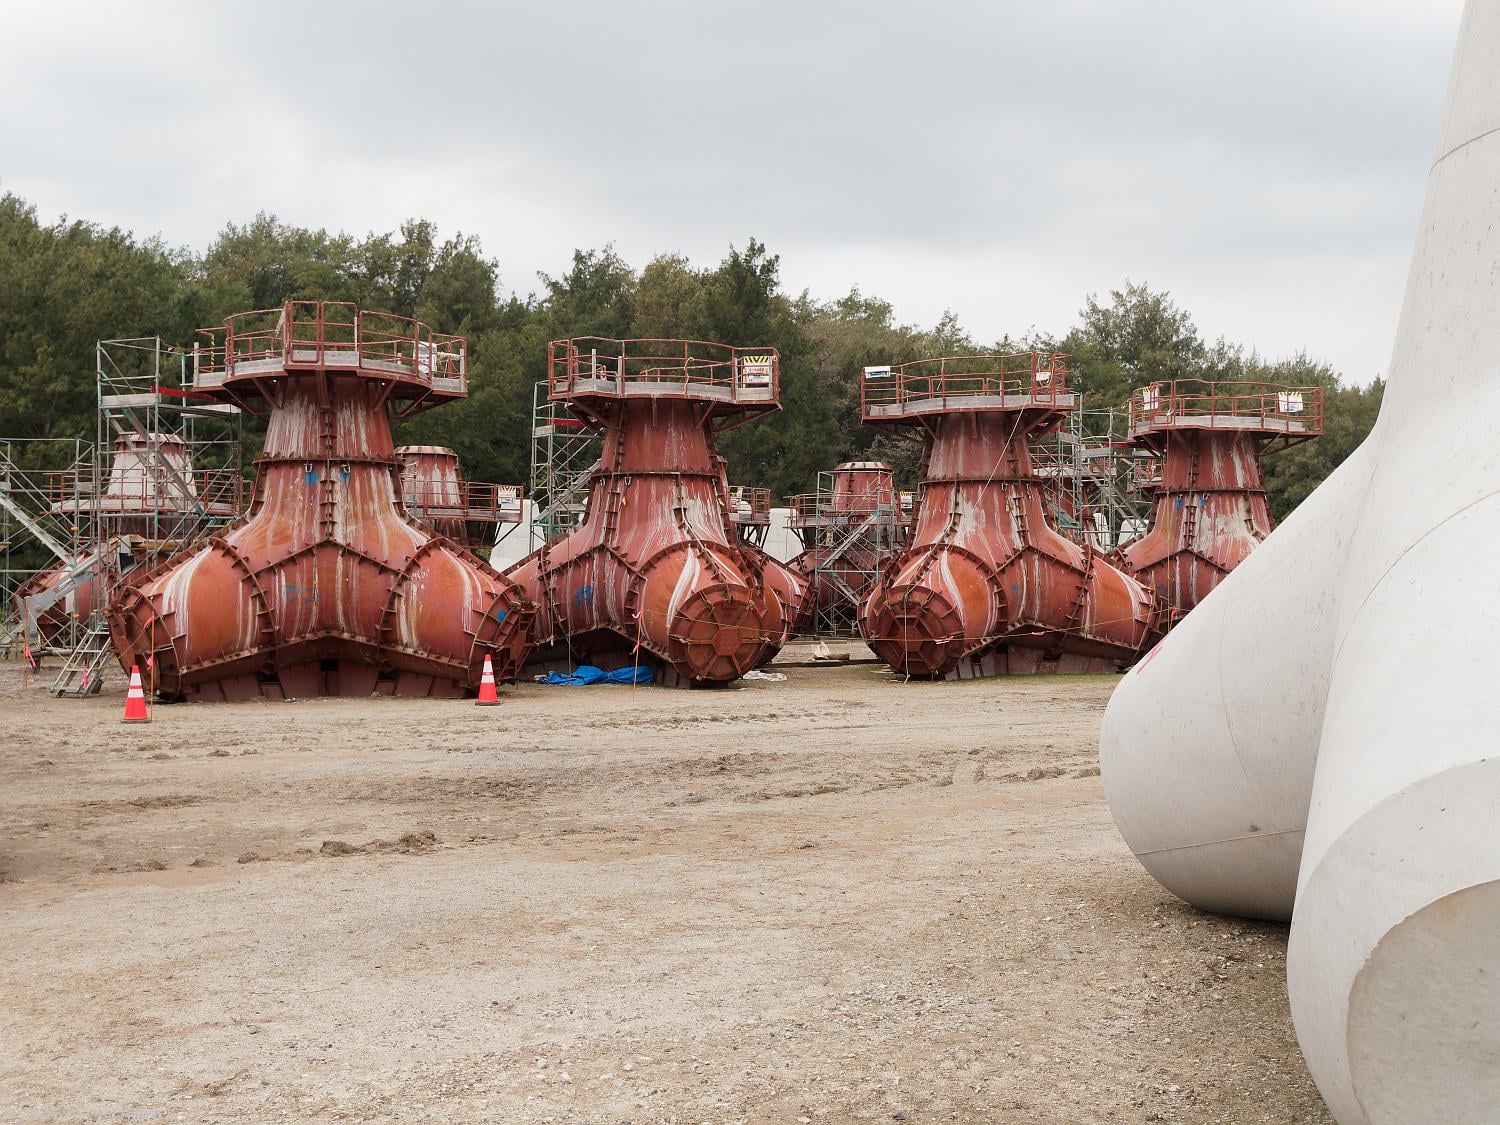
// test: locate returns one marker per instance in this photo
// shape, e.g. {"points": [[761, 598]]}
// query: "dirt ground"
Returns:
{"points": [[834, 898]]}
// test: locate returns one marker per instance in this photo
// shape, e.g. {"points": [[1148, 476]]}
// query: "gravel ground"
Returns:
{"points": [[833, 898]]}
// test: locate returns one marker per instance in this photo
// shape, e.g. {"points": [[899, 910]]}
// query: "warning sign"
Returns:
{"points": [[755, 370]]}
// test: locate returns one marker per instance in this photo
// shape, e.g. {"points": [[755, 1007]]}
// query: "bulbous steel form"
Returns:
{"points": [[151, 494], [656, 571], [1210, 497], [325, 587], [1317, 738], [986, 585], [750, 513]]}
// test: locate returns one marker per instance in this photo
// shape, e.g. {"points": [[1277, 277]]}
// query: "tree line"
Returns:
{"points": [[66, 284]]}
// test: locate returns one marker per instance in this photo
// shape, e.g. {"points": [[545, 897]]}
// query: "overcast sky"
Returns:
{"points": [[1262, 161]]}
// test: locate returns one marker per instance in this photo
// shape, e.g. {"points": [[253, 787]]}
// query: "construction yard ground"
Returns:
{"points": [[834, 898]]}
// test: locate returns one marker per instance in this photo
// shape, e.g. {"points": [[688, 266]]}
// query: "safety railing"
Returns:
{"points": [[47, 491], [1145, 473], [1201, 404], [750, 505], [815, 509], [685, 368], [475, 501], [329, 334], [1019, 380], [211, 490], [804, 508]]}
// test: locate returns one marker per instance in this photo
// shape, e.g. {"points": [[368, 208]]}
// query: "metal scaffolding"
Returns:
{"points": [[163, 470], [564, 453], [1094, 478], [847, 539], [38, 536]]}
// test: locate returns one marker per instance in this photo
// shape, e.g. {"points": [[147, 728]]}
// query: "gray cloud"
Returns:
{"points": [[1264, 162]]}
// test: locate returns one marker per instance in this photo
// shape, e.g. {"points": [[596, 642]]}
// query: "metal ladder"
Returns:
{"points": [[83, 672]]}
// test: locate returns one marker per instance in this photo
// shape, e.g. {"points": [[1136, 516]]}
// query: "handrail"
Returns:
{"points": [[329, 334], [1238, 404], [750, 505], [479, 501], [1017, 379], [819, 507], [600, 365]]}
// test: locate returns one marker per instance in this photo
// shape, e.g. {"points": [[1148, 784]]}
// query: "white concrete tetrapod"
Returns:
{"points": [[1321, 729]]}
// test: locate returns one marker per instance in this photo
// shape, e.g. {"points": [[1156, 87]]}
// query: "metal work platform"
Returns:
{"points": [[742, 382], [1024, 381], [422, 367], [750, 512], [1284, 415]]}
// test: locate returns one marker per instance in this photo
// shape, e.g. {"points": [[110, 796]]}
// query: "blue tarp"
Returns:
{"points": [[586, 674]]}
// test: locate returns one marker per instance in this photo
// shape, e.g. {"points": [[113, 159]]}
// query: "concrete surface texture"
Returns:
{"points": [[1322, 728]]}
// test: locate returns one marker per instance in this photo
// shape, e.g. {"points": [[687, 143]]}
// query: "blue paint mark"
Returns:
{"points": [[584, 595], [311, 476], [344, 476], [499, 615]]}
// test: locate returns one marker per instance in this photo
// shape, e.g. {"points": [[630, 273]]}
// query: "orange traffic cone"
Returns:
{"points": [[135, 699], [487, 694]]}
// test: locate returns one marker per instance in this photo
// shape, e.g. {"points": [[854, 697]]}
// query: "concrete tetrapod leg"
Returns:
{"points": [[1348, 668]]}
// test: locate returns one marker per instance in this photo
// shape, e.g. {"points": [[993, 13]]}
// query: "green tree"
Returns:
{"points": [[66, 286]]}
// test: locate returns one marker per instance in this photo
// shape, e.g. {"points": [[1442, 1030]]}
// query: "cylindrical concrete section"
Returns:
{"points": [[1209, 743], [1348, 668]]}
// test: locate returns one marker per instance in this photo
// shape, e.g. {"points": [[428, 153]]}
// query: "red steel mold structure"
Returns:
{"points": [[326, 586], [436, 495], [986, 585], [656, 571], [1210, 498], [151, 489]]}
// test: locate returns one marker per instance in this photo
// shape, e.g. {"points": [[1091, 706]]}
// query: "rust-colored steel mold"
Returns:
{"points": [[656, 571], [325, 587], [750, 513], [151, 489], [1209, 498], [435, 494], [986, 585], [849, 531]]}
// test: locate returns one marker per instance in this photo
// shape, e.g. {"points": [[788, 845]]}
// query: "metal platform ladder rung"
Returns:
{"points": [[83, 672]]}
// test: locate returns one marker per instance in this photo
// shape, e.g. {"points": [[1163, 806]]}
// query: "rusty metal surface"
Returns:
{"points": [[1210, 506], [325, 587], [150, 476], [986, 584], [656, 571], [436, 495]]}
